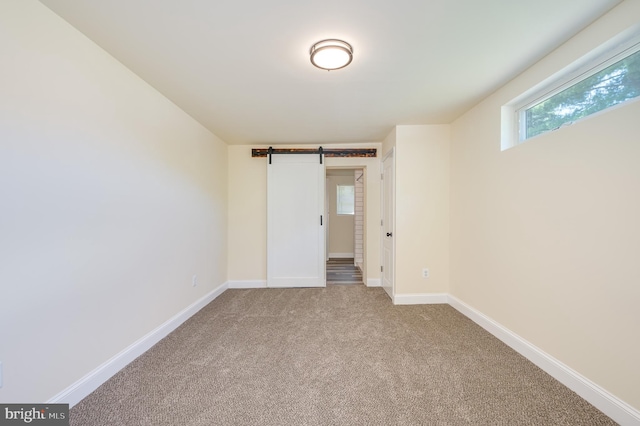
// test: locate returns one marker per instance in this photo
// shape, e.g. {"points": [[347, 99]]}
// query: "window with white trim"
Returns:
{"points": [[345, 199], [606, 80]]}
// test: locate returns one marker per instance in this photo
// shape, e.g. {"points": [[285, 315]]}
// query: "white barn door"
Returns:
{"points": [[295, 231]]}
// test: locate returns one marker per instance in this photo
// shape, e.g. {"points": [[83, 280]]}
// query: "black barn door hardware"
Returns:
{"points": [[332, 152]]}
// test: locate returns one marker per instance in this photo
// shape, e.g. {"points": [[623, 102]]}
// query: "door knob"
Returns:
{"points": [[389, 234]]}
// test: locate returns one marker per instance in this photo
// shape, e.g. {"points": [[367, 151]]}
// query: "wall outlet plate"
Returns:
{"points": [[425, 273], [194, 280]]}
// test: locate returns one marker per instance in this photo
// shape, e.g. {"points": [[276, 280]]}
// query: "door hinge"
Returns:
{"points": [[381, 176], [380, 268], [381, 222]]}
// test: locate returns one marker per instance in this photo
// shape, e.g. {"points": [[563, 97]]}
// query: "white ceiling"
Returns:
{"points": [[241, 68]]}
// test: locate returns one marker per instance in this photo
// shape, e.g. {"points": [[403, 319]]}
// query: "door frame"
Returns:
{"points": [[365, 213]]}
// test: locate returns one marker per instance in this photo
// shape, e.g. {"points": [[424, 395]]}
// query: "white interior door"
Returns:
{"points": [[387, 228], [295, 216]]}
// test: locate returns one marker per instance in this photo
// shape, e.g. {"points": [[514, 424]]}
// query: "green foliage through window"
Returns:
{"points": [[608, 87]]}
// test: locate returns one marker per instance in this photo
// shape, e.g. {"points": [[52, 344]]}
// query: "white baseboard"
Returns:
{"points": [[248, 284], [613, 407], [83, 387], [341, 255], [374, 282], [420, 299]]}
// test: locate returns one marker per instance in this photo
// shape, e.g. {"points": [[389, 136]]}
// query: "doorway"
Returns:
{"points": [[345, 231]]}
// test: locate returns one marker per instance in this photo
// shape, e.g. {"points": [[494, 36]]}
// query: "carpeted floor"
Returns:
{"points": [[342, 355]]}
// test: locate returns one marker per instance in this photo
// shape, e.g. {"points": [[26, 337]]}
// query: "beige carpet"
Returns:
{"points": [[343, 355]]}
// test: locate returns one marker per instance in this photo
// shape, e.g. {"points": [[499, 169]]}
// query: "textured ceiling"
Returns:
{"points": [[241, 68]]}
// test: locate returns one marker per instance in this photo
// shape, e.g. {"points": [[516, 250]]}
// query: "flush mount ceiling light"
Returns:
{"points": [[331, 54]]}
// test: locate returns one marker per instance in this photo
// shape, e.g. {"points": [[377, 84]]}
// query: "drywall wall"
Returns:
{"points": [[422, 209], [248, 207], [247, 215], [112, 199], [545, 235], [389, 142], [341, 227]]}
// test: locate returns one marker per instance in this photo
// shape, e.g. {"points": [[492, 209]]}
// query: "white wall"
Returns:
{"points": [[389, 142], [341, 227], [545, 236], [422, 208], [248, 206], [111, 199], [247, 212]]}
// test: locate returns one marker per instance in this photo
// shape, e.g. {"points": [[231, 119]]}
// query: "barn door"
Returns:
{"points": [[295, 231]]}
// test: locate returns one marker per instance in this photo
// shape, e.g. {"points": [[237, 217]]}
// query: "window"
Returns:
{"points": [[607, 77], [345, 199], [613, 85]]}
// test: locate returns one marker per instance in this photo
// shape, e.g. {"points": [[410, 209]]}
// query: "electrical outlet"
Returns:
{"points": [[425, 273], [194, 280]]}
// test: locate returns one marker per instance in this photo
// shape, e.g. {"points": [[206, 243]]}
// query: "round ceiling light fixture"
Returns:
{"points": [[331, 54]]}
